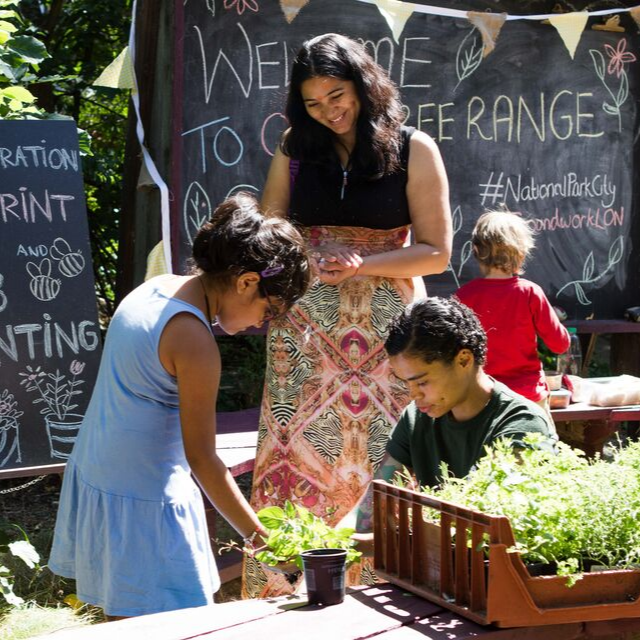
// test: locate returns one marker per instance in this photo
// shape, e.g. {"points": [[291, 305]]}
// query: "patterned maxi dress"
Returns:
{"points": [[330, 398]]}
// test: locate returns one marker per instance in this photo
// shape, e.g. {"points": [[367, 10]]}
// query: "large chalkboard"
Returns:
{"points": [[550, 136], [49, 332]]}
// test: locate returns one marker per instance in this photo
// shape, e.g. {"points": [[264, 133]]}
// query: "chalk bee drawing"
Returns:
{"points": [[43, 286], [616, 251], [70, 263], [57, 393], [9, 428]]}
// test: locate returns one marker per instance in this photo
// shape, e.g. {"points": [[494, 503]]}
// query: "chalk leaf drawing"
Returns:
{"points": [[196, 210], [70, 263], [465, 251], [9, 428], [3, 295], [43, 286], [55, 390], [618, 57], [469, 55], [616, 251]]}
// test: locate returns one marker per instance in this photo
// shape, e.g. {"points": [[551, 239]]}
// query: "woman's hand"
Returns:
{"points": [[335, 262]]}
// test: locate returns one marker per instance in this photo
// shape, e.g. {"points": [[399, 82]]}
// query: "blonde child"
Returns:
{"points": [[513, 311]]}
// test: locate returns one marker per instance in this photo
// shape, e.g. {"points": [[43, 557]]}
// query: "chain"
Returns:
{"points": [[22, 486]]}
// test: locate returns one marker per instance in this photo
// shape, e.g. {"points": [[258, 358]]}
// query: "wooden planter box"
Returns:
{"points": [[445, 564]]}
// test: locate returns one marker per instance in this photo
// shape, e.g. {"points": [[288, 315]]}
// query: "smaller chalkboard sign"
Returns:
{"points": [[49, 332]]}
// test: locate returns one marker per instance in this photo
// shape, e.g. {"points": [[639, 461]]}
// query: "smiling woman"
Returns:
{"points": [[355, 182]]}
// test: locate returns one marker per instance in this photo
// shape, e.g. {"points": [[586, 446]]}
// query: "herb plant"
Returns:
{"points": [[563, 509], [294, 529]]}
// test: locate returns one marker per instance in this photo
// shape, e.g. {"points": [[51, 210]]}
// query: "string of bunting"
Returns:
{"points": [[569, 25]]}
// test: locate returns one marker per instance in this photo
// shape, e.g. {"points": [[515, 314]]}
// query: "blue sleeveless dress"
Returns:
{"points": [[131, 527]]}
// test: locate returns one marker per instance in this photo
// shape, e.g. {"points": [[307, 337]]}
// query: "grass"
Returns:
{"points": [[32, 620]]}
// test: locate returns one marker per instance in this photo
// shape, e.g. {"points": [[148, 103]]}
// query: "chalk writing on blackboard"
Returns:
{"points": [[469, 55], [9, 429]]}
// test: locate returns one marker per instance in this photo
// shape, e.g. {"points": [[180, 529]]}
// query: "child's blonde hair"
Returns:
{"points": [[502, 240]]}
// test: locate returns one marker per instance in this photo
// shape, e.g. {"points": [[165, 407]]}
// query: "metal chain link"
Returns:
{"points": [[22, 486]]}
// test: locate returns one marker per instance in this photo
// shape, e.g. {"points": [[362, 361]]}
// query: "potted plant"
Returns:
{"points": [[57, 392], [298, 537]]}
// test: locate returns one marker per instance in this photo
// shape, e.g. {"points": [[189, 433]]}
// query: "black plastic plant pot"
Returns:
{"points": [[324, 572]]}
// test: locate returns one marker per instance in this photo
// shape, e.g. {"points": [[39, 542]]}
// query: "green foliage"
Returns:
{"points": [[294, 529], [10, 550], [563, 508]]}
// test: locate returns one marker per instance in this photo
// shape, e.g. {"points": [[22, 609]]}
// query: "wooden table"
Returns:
{"points": [[588, 427], [384, 612]]}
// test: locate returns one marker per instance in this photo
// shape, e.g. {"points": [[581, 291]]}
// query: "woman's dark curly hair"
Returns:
{"points": [[437, 329], [378, 140], [239, 238]]}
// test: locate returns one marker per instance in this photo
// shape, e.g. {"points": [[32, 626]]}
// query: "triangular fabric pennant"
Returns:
{"points": [[119, 74], [396, 14], [635, 14], [489, 25], [570, 27], [291, 8]]}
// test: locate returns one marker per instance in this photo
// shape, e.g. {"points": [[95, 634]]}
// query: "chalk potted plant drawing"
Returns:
{"points": [[57, 393], [9, 428]]}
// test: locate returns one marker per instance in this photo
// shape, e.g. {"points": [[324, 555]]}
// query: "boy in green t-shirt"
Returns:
{"points": [[437, 348]]}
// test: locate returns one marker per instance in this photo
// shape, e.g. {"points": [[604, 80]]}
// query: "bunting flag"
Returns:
{"points": [[489, 25], [291, 8], [119, 74], [635, 14], [570, 27], [396, 14]]}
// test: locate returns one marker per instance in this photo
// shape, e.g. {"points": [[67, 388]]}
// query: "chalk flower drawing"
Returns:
{"points": [[9, 415], [616, 251], [241, 5], [469, 55], [465, 252], [56, 392], [618, 57]]}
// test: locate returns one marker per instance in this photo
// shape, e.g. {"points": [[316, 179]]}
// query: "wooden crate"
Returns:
{"points": [[463, 564]]}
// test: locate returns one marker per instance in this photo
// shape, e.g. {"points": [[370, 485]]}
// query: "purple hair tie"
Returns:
{"points": [[271, 271]]}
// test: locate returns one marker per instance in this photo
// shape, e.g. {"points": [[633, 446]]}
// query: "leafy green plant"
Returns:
{"points": [[294, 529], [563, 509], [10, 549]]}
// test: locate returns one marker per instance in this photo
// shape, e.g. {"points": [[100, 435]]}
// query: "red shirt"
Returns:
{"points": [[513, 313]]}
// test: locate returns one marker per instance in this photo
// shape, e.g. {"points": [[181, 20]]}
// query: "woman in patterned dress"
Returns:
{"points": [[355, 181]]}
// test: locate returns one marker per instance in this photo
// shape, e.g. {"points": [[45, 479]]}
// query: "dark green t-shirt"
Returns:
{"points": [[421, 443]]}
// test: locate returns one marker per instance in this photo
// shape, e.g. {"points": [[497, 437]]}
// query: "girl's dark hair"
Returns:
{"points": [[437, 329], [239, 238], [378, 139]]}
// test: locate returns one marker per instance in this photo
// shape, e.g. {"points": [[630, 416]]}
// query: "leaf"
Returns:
{"points": [[587, 269], [580, 294], [468, 60], [623, 91], [18, 93], [465, 254], [271, 517], [612, 111], [6, 588], [28, 48], [26, 552], [7, 27], [456, 219], [598, 63], [616, 251]]}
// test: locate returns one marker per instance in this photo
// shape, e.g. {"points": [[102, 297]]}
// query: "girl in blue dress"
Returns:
{"points": [[131, 527]]}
